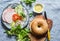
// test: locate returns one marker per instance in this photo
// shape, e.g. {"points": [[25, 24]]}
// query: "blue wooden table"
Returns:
{"points": [[53, 12]]}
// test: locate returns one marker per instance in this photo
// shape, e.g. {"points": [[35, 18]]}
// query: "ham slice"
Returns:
{"points": [[7, 15]]}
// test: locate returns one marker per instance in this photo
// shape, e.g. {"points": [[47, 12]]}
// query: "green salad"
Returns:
{"points": [[20, 33]]}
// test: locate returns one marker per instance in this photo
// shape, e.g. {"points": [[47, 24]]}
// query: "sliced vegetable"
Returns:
{"points": [[16, 17], [12, 24]]}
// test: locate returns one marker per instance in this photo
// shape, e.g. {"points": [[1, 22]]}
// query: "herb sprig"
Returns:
{"points": [[28, 2]]}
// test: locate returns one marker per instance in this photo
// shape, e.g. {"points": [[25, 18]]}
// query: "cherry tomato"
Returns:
{"points": [[16, 17]]}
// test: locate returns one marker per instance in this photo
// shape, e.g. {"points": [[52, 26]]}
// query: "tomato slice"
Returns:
{"points": [[16, 17]]}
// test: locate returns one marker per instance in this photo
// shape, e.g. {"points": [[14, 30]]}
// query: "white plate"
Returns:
{"points": [[26, 11]]}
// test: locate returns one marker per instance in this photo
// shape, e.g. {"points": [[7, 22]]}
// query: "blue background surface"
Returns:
{"points": [[53, 12]]}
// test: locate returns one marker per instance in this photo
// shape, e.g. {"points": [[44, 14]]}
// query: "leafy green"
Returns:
{"points": [[20, 33], [19, 10], [28, 2], [22, 14], [31, 14]]}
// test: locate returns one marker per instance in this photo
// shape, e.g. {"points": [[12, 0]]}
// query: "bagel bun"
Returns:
{"points": [[38, 25]]}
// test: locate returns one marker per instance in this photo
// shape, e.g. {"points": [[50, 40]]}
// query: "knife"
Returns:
{"points": [[48, 33]]}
